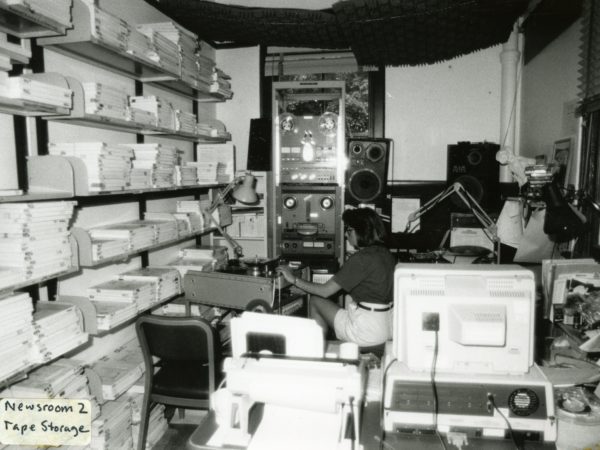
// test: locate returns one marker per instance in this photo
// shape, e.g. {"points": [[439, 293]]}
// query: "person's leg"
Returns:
{"points": [[323, 311]]}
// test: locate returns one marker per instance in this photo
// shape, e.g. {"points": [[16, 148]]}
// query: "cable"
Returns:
{"points": [[352, 424], [434, 391], [512, 434], [381, 405]]}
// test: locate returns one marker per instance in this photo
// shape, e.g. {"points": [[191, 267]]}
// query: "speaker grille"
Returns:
{"points": [[365, 185], [474, 165], [366, 176]]}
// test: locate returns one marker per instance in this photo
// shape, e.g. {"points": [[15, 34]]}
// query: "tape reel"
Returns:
{"points": [[328, 124]]}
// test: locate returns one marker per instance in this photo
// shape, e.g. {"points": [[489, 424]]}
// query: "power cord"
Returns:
{"points": [[434, 391], [352, 424], [381, 405], [492, 402]]}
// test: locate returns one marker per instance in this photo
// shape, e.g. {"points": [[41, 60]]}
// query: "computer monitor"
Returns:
{"points": [[256, 333], [484, 317]]}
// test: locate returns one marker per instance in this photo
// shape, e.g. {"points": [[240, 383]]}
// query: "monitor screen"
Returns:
{"points": [[480, 319]]}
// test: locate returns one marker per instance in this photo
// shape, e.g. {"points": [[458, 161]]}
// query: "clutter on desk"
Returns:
{"points": [[561, 276], [578, 413]]}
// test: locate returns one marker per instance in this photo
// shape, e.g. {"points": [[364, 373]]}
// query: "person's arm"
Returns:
{"points": [[322, 290]]}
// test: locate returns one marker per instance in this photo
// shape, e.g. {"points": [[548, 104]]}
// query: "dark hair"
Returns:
{"points": [[367, 225]]}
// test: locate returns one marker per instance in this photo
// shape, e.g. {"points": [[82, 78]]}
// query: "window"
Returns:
{"points": [[357, 98], [364, 88]]}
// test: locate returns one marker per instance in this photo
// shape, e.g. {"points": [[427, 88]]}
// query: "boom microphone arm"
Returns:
{"points": [[457, 188]]}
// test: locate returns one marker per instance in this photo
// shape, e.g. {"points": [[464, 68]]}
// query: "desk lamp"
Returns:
{"points": [[457, 188], [242, 190], [562, 222]]}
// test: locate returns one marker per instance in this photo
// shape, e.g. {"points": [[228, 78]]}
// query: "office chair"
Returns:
{"points": [[189, 368]]}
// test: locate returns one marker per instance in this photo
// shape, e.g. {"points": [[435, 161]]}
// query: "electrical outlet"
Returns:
{"points": [[431, 321]]}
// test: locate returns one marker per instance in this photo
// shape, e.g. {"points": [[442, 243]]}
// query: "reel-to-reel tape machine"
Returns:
{"points": [[308, 133], [309, 164], [308, 148]]}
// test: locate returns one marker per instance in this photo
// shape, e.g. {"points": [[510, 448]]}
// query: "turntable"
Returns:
{"points": [[251, 284]]}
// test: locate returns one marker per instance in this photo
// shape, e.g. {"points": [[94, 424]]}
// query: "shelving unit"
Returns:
{"points": [[84, 244], [67, 176], [37, 280], [180, 88], [19, 20], [78, 116], [78, 54], [90, 313], [79, 42]]}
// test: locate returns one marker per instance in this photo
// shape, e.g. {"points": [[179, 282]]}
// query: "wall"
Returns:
{"points": [[549, 91], [429, 107], [243, 64]]}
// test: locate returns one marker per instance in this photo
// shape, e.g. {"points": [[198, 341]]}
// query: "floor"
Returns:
{"points": [[180, 429], [175, 437]]}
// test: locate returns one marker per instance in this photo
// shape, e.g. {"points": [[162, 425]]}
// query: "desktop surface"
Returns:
{"points": [[371, 436]]}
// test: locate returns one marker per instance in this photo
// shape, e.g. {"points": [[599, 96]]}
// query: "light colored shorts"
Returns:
{"points": [[365, 328]]}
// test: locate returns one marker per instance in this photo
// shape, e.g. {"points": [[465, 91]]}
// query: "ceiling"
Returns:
{"points": [[378, 32]]}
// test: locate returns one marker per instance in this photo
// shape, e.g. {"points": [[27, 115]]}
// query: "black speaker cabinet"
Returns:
{"points": [[366, 176], [259, 145], [474, 165]]}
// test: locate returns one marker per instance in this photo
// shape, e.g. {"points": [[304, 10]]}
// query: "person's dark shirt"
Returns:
{"points": [[368, 275]]}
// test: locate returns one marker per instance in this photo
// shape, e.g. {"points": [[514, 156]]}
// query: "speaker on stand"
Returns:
{"points": [[474, 165], [366, 176]]}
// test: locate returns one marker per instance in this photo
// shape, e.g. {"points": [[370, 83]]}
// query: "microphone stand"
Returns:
{"points": [[487, 223]]}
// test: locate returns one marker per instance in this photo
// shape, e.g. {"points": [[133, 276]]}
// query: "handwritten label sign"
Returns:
{"points": [[45, 421]]}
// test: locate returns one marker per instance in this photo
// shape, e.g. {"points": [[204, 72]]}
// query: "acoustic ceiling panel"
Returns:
{"points": [[379, 32]]}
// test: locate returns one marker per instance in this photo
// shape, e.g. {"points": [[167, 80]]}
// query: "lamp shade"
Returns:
{"points": [[245, 193]]}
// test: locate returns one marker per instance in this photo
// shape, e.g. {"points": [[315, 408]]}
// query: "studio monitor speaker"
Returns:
{"points": [[366, 176], [474, 165]]}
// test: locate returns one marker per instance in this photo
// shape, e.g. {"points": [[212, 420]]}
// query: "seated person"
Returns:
{"points": [[367, 275]]}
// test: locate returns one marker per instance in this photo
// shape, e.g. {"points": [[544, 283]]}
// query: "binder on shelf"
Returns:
{"points": [[16, 332], [33, 18], [36, 94], [100, 37], [58, 329], [166, 281]]}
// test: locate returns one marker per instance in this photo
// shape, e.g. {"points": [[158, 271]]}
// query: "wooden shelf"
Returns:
{"points": [[89, 313], [19, 20], [67, 176], [84, 244], [79, 42]]}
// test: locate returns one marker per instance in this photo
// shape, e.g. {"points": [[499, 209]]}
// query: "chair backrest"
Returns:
{"points": [[184, 339]]}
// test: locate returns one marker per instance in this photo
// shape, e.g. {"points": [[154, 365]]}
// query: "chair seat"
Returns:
{"points": [[182, 380]]}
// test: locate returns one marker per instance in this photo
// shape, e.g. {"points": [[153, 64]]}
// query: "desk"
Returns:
{"points": [[370, 437]]}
